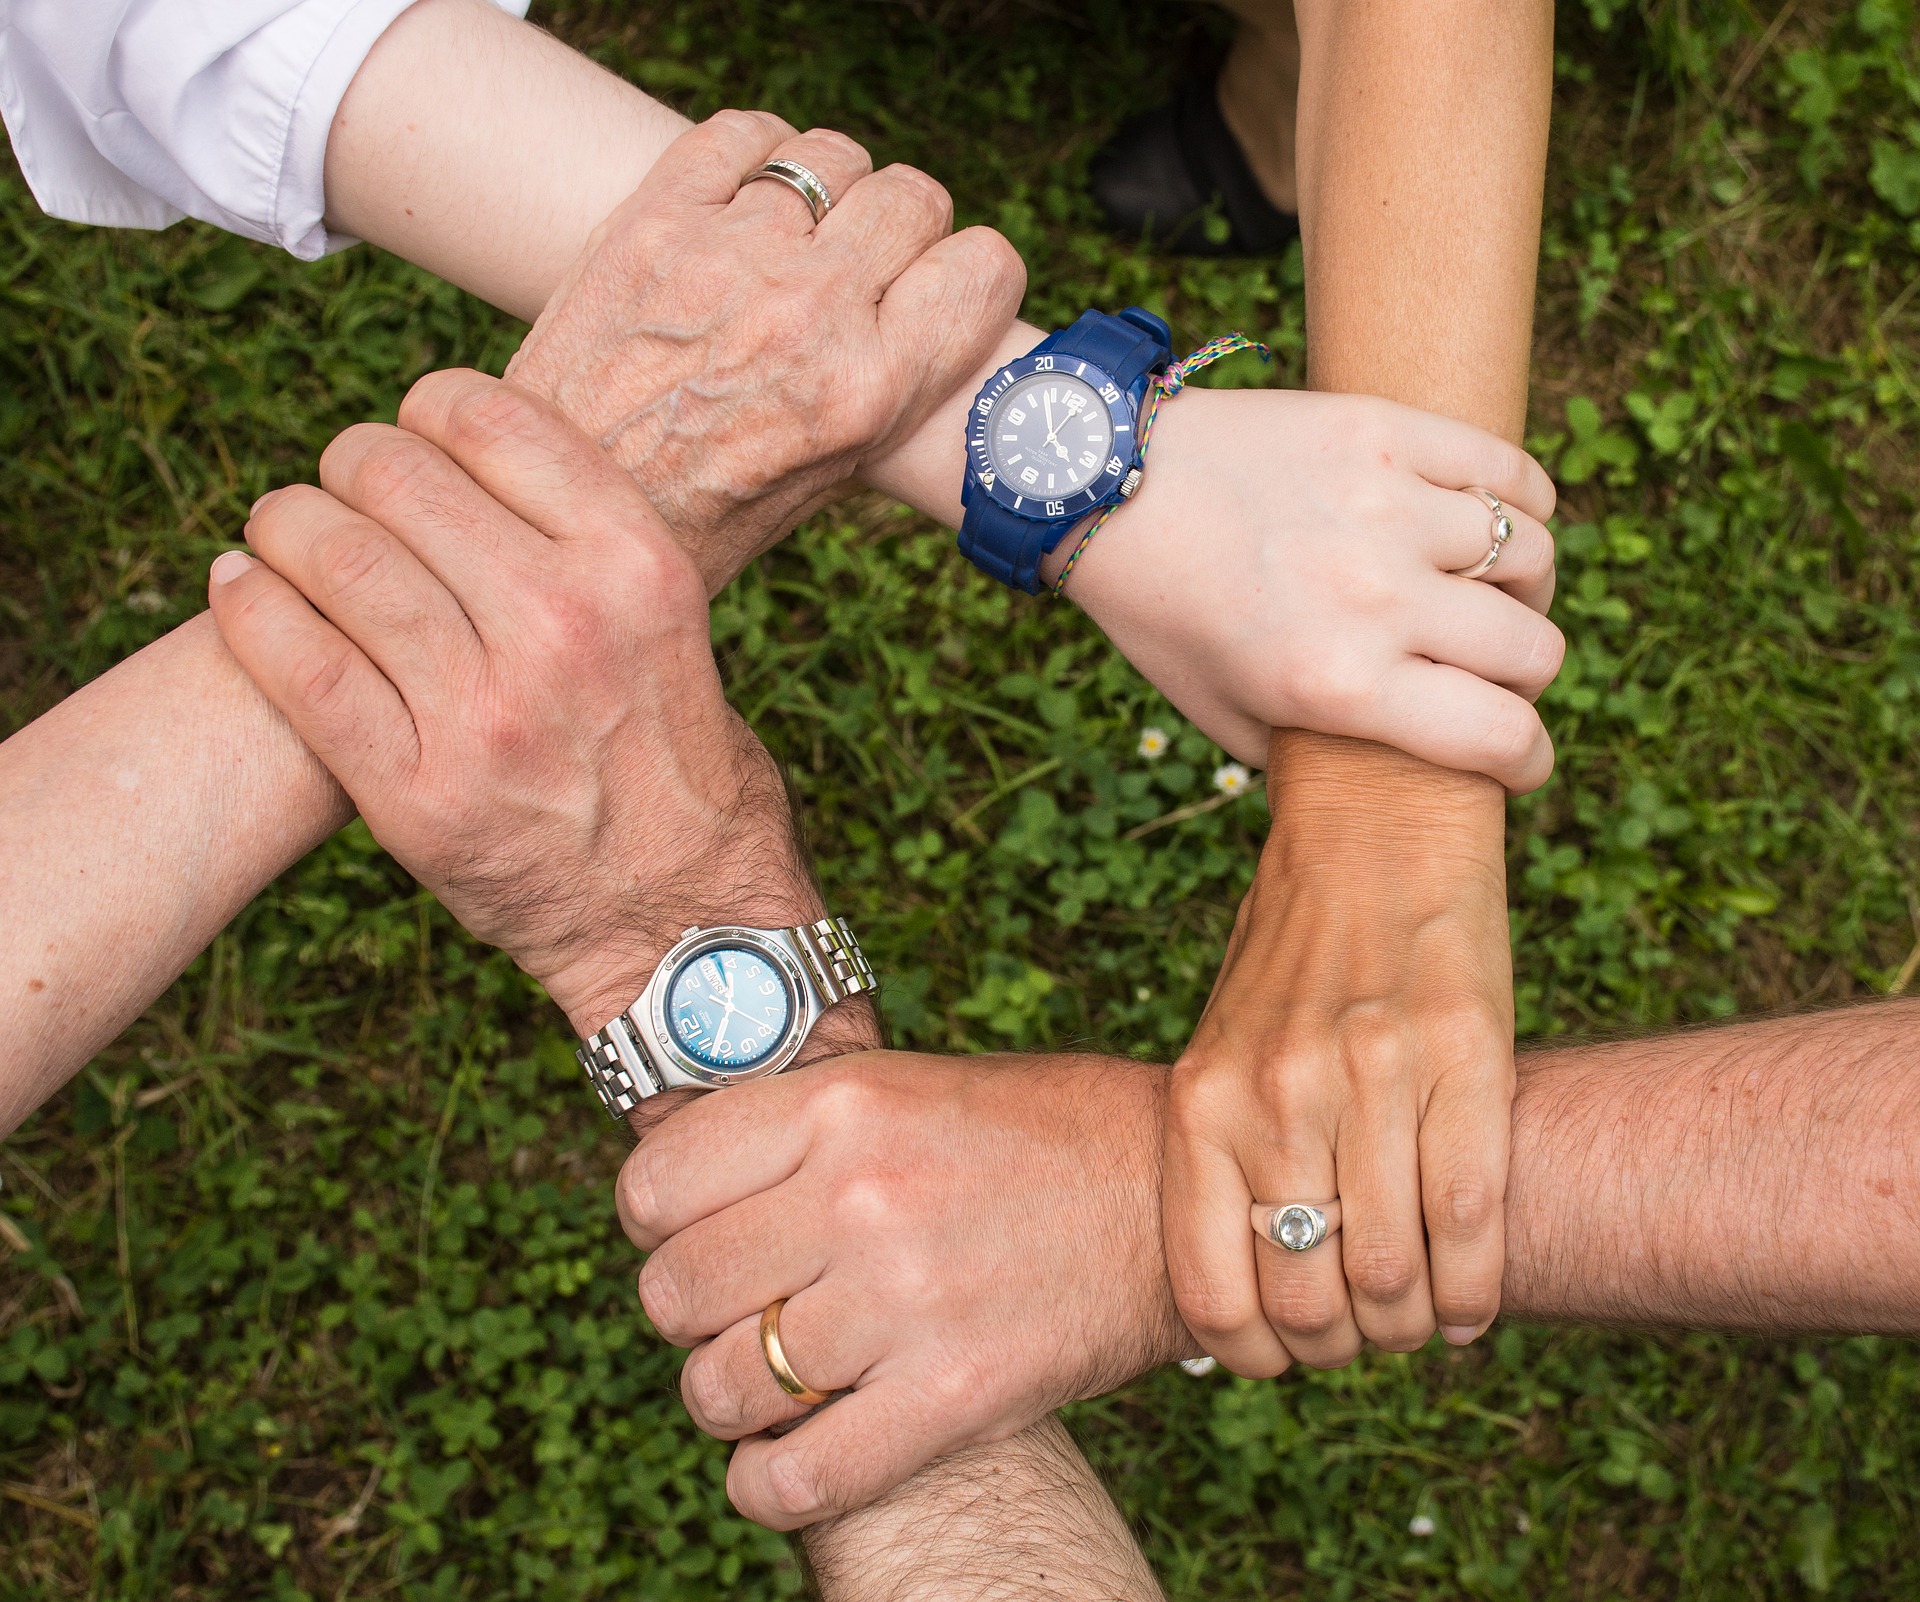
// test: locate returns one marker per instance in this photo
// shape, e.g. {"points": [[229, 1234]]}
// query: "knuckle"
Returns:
{"points": [[1300, 1308], [321, 678], [1542, 652], [639, 1196], [840, 148], [924, 194], [703, 1387], [1463, 1206], [1510, 735], [1373, 1045], [1381, 1269], [573, 625], [1212, 1307], [803, 1483], [377, 469], [663, 1301], [865, 1204], [481, 417], [845, 1099]]}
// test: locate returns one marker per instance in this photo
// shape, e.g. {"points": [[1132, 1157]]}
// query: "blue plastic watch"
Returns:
{"points": [[1053, 437]]}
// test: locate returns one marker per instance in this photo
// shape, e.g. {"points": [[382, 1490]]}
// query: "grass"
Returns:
{"points": [[321, 1294]]}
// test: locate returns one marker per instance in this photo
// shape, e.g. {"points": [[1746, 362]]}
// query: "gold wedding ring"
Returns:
{"points": [[776, 1357]]}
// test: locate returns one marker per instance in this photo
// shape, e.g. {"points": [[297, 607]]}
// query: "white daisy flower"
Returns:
{"points": [[1198, 1367], [1153, 743], [1230, 778], [1420, 1525]]}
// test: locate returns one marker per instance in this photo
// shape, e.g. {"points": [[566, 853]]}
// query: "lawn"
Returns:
{"points": [[321, 1293]]}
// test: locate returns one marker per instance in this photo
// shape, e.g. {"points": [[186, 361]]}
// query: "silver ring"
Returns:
{"points": [[1294, 1226], [803, 183], [1501, 530]]}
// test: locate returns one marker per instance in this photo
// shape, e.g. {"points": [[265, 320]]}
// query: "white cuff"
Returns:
{"points": [[135, 113]]}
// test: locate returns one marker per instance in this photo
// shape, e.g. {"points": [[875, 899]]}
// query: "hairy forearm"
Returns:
{"points": [[140, 815], [1025, 1520], [1763, 1177]]}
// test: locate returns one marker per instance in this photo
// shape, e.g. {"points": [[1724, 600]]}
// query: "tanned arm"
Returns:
{"points": [[1359, 1043]]}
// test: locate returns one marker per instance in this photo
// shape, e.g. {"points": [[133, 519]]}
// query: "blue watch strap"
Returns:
{"points": [[1003, 544], [1127, 346]]}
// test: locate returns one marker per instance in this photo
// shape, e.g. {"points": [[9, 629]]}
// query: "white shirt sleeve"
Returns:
{"points": [[136, 113]]}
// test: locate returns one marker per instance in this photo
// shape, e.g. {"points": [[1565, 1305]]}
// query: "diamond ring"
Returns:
{"points": [[1296, 1226]]}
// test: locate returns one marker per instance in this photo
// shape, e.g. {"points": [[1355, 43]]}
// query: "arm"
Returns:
{"points": [[584, 795], [1366, 1003], [461, 113], [1762, 1178]]}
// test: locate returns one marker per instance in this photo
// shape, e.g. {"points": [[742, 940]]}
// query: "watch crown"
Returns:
{"points": [[691, 929], [1130, 484]]}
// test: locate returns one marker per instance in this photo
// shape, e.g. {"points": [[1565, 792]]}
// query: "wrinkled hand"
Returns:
{"points": [[481, 627], [967, 1244], [1358, 1045], [741, 362], [1285, 565]]}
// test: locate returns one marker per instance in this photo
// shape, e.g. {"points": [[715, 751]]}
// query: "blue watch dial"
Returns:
{"points": [[729, 1007], [1050, 436]]}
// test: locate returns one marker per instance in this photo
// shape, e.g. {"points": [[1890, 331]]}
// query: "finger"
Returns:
{"points": [[1488, 633], [1458, 456], [704, 166], [1455, 719], [829, 1344], [839, 163], [475, 547], [1210, 1249], [715, 1153], [1463, 534], [338, 702], [729, 1265], [846, 1456], [1464, 1140], [371, 587], [965, 290], [887, 222], [1303, 1294], [525, 454], [1383, 1246]]}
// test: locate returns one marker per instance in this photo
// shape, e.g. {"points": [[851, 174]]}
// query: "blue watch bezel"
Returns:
{"points": [[1120, 411]]}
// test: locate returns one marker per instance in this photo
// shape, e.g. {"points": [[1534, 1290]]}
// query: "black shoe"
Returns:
{"points": [[1157, 177]]}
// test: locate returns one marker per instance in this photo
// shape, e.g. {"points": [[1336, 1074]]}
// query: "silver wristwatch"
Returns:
{"points": [[726, 1004]]}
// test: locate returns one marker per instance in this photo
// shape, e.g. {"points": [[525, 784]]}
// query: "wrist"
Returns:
{"points": [[926, 469]]}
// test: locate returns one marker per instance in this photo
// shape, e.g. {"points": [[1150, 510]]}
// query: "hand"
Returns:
{"points": [[741, 362], [1358, 1045], [480, 626], [967, 1244], [1285, 566]]}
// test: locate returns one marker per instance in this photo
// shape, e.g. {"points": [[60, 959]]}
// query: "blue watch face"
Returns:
{"points": [[729, 1007], [1050, 437]]}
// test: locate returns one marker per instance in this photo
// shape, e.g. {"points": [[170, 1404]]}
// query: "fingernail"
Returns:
{"points": [[1459, 1334], [228, 566], [259, 503]]}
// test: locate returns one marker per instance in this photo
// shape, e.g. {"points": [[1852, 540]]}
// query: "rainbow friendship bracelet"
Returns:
{"points": [[1172, 379]]}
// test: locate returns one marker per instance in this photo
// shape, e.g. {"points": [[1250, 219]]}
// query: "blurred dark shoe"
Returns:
{"points": [[1157, 177]]}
